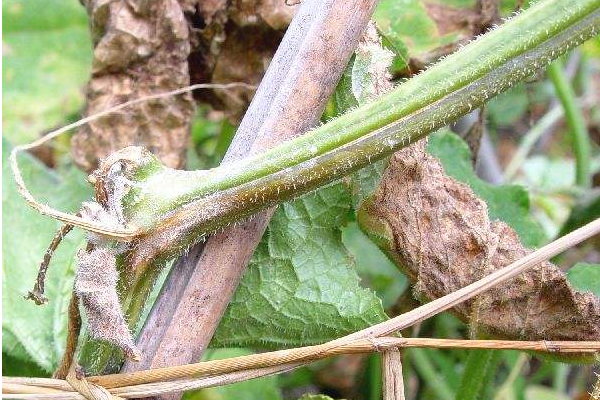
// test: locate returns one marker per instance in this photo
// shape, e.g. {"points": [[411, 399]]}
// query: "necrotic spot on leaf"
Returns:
{"points": [[440, 233]]}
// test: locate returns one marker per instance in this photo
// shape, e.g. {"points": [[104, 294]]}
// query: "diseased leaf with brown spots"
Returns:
{"points": [[141, 48], [439, 232]]}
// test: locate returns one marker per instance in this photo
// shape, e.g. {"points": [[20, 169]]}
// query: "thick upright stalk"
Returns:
{"points": [[576, 122]]}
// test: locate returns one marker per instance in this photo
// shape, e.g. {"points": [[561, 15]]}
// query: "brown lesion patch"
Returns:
{"points": [[444, 240], [450, 19]]}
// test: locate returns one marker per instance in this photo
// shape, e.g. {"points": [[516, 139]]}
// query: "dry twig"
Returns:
{"points": [[37, 294], [216, 372], [393, 383]]}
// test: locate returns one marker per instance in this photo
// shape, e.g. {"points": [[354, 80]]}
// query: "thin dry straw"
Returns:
{"points": [[121, 234], [211, 373], [312, 353], [370, 339]]}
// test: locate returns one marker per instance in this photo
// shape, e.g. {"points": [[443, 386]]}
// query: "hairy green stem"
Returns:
{"points": [[526, 31], [174, 232], [474, 375], [579, 136]]}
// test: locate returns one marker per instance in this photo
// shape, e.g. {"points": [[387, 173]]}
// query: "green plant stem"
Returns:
{"points": [[205, 215], [529, 140], [474, 375], [527, 31], [560, 375], [374, 376], [579, 136], [427, 372]]}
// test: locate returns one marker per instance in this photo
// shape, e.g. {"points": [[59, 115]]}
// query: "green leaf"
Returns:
{"points": [[32, 332], [407, 23], [373, 266], [418, 28], [366, 180], [255, 389], [210, 140], [301, 285], [410, 30], [508, 107], [549, 175], [363, 82], [13, 366], [585, 211], [46, 50], [585, 277], [508, 203], [343, 97]]}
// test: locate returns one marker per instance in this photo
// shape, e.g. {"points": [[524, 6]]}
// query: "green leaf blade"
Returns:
{"points": [[585, 277], [301, 286], [47, 54], [38, 330]]}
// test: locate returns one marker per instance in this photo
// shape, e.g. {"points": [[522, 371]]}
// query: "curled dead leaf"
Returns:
{"points": [[140, 49], [438, 231]]}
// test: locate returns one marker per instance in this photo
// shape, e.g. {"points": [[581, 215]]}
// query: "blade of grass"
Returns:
{"points": [[446, 364], [489, 386], [580, 139], [529, 139], [427, 372], [474, 375], [559, 380], [507, 386]]}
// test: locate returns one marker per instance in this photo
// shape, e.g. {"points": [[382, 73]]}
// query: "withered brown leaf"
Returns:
{"points": [[141, 48], [438, 231]]}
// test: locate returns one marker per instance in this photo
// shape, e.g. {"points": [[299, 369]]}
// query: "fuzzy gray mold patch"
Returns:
{"points": [[95, 285]]}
